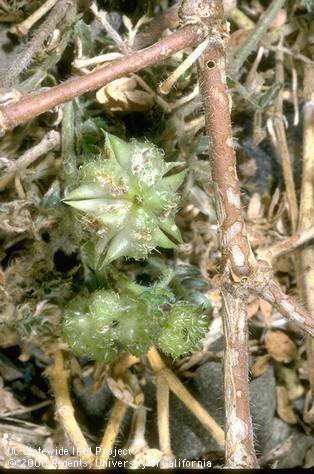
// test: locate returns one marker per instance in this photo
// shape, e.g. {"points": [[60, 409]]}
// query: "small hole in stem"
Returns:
{"points": [[211, 64]]}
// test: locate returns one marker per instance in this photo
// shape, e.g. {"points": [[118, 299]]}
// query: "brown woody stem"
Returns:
{"points": [[238, 259], [35, 104], [287, 306]]}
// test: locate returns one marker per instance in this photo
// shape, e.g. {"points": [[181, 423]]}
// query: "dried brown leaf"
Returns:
{"points": [[280, 346], [260, 365], [291, 380], [124, 392], [8, 403], [125, 95], [284, 406]]}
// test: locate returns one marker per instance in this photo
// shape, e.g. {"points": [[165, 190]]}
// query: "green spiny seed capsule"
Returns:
{"points": [[105, 324], [183, 329], [130, 198], [86, 334]]}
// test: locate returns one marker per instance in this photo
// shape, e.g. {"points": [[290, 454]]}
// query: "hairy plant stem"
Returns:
{"points": [[58, 377], [238, 260], [242, 53], [241, 272], [69, 165], [177, 387], [23, 28], [24, 58], [32, 105], [162, 393], [111, 432], [49, 142]]}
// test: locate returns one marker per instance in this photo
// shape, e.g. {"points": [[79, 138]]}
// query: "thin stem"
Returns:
{"points": [[280, 143], [69, 165], [288, 245], [287, 306], [177, 387], [49, 142], [33, 105], [306, 216], [250, 45], [162, 389], [102, 16], [23, 28], [111, 432], [58, 377], [24, 58]]}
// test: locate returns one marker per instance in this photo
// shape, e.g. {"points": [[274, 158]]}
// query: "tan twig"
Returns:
{"points": [[111, 432], [177, 387], [35, 44], [286, 305], [33, 105], [242, 53], [166, 85], [58, 377], [162, 393], [306, 217], [138, 442], [102, 16], [280, 143], [23, 28], [289, 245], [49, 142]]}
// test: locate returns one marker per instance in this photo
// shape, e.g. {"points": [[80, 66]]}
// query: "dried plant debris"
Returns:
{"points": [[109, 237]]}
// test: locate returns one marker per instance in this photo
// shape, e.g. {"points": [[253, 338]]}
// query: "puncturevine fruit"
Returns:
{"points": [[106, 323], [183, 329], [130, 200]]}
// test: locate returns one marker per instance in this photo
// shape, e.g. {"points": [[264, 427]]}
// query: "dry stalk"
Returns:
{"points": [[23, 28], [35, 104], [279, 140], [286, 246], [111, 432], [102, 16], [35, 44], [177, 387], [49, 142], [162, 394], [58, 377], [306, 218], [249, 46]]}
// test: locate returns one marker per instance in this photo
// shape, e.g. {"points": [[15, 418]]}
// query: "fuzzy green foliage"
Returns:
{"points": [[130, 200], [183, 329], [107, 323]]}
